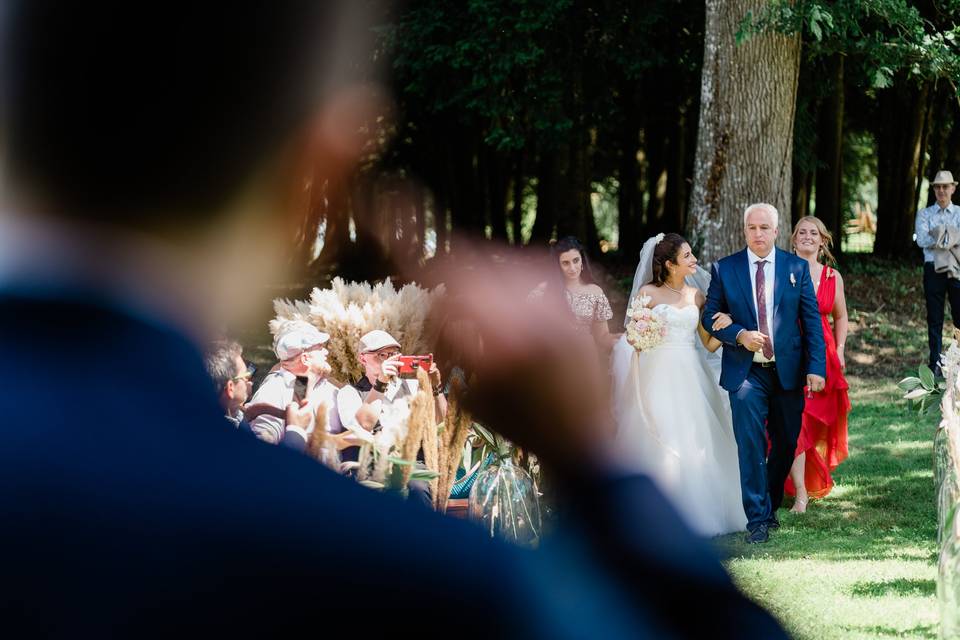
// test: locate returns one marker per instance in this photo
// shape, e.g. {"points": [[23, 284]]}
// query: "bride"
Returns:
{"points": [[673, 420]]}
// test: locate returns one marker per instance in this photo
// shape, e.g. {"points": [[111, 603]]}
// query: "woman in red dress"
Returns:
{"points": [[823, 437]]}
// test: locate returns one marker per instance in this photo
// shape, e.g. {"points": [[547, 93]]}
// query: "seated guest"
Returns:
{"points": [[232, 378], [362, 402], [300, 348], [378, 354]]}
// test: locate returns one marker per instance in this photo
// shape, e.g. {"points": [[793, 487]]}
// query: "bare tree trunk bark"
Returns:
{"points": [[830, 172], [745, 139]]}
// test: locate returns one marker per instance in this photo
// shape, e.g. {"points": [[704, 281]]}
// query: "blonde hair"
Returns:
{"points": [[824, 255]]}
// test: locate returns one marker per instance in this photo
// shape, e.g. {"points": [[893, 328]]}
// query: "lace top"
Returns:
{"points": [[587, 307]]}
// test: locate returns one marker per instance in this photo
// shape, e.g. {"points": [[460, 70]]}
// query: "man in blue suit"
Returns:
{"points": [[774, 346], [152, 178]]}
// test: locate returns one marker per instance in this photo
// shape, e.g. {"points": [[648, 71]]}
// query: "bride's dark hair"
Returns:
{"points": [[666, 249]]}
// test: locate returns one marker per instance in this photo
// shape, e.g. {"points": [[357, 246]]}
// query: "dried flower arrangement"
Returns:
{"points": [[347, 310]]}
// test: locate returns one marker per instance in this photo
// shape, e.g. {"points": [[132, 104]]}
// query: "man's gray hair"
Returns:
{"points": [[769, 208], [221, 362]]}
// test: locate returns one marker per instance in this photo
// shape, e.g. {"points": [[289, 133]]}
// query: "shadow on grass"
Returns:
{"points": [[883, 505], [899, 587]]}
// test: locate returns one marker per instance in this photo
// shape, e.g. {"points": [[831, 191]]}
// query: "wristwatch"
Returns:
{"points": [[379, 386]]}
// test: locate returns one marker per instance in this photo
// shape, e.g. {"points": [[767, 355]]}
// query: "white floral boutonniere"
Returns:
{"points": [[793, 280]]}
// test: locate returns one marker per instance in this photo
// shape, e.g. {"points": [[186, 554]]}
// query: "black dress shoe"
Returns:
{"points": [[773, 523], [758, 535]]}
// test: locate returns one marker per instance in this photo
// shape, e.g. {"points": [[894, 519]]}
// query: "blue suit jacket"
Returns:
{"points": [[797, 331], [128, 508]]}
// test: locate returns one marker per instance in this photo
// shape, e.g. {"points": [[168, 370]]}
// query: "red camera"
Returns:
{"points": [[410, 364]]}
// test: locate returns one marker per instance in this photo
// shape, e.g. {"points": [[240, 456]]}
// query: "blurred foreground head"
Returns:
{"points": [[177, 121]]}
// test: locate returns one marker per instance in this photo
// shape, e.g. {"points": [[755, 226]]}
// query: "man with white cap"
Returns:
{"points": [[300, 348], [932, 222], [378, 353]]}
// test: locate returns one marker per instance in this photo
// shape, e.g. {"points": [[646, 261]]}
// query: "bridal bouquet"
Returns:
{"points": [[646, 329]]}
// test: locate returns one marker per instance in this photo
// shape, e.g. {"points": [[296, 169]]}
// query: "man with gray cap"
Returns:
{"points": [[934, 224], [300, 348]]}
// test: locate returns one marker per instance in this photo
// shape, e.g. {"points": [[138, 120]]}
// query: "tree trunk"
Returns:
{"points": [[546, 215], [516, 207], [800, 201], [675, 201], [745, 139], [466, 207], [497, 184], [656, 146], [943, 122], [900, 127], [629, 201], [830, 153]]}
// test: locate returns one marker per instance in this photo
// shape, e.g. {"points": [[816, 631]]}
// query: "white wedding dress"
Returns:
{"points": [[674, 424]]}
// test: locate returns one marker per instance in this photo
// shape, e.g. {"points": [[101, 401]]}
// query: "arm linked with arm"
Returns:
{"points": [[716, 301]]}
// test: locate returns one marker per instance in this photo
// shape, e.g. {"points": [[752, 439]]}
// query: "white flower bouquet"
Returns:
{"points": [[646, 329]]}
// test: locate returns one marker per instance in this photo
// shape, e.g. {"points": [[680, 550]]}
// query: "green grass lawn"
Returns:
{"points": [[862, 562]]}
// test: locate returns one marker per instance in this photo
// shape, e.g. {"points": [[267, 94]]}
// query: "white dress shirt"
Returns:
{"points": [[769, 272], [277, 389], [350, 399]]}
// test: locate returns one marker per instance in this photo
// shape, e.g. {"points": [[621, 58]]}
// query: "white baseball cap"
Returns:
{"points": [[376, 340], [296, 337]]}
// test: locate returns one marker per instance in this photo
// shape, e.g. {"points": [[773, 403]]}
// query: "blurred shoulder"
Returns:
{"points": [[537, 292]]}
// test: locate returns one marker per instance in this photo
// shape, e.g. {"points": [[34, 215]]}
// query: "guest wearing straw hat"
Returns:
{"points": [[933, 224]]}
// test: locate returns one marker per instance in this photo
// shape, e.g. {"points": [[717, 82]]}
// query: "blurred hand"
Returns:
{"points": [[367, 416], [299, 414], [537, 381], [721, 321], [843, 360]]}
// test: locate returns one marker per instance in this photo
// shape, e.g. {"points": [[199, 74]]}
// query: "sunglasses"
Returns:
{"points": [[248, 374]]}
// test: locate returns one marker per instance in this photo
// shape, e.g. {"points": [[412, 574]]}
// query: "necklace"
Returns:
{"points": [[680, 290]]}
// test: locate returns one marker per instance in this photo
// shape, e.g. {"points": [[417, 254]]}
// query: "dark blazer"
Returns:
{"points": [[797, 331], [128, 509]]}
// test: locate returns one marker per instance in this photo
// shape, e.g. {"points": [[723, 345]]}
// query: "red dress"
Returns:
{"points": [[823, 436]]}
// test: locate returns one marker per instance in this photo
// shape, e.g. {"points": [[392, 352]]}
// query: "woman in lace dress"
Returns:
{"points": [[673, 420], [574, 281]]}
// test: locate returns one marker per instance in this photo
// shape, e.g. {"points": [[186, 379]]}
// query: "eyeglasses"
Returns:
{"points": [[248, 374], [383, 355]]}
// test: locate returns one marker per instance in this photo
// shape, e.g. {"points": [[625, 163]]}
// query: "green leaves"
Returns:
{"points": [[922, 390], [886, 37]]}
